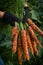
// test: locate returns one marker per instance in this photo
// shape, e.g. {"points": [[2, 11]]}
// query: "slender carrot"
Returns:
{"points": [[36, 28], [14, 41], [14, 31], [19, 50], [24, 44], [34, 47], [30, 44], [34, 36]]}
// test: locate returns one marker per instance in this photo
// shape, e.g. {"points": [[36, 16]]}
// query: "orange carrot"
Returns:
{"points": [[30, 22], [34, 37], [14, 31], [19, 50], [14, 41], [24, 44], [30, 44], [34, 47]]}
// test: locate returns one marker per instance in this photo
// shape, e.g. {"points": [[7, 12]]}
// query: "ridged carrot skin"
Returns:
{"points": [[35, 27], [30, 44], [19, 50], [24, 44], [34, 37], [14, 31], [14, 41], [35, 48]]}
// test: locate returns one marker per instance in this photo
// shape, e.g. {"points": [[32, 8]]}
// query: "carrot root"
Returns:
{"points": [[36, 28], [24, 44]]}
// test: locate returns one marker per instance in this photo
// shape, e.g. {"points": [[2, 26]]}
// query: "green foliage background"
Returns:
{"points": [[16, 7]]}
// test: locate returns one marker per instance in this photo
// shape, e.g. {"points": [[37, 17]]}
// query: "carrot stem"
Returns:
{"points": [[21, 26]]}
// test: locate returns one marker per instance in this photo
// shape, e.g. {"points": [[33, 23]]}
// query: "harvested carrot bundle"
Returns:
{"points": [[24, 44], [34, 37], [30, 22], [14, 41], [30, 44], [35, 48]]}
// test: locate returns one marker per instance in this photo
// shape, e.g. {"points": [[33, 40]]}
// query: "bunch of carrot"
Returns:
{"points": [[24, 38]]}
